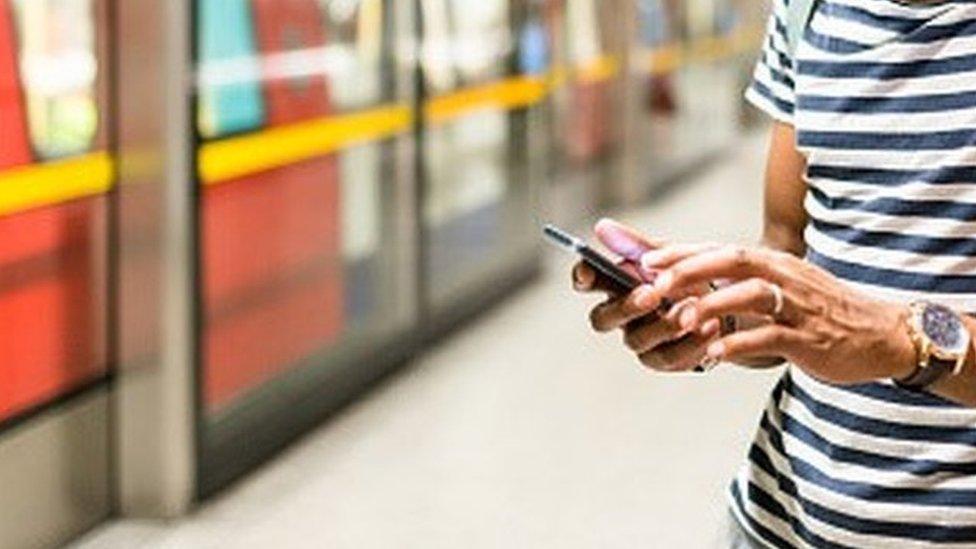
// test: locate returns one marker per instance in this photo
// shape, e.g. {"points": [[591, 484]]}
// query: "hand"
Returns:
{"points": [[830, 331], [659, 341]]}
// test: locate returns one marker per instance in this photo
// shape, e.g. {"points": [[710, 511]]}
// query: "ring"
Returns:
{"points": [[707, 364], [779, 300]]}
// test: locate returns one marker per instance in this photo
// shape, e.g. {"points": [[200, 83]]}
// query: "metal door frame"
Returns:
{"points": [[153, 398]]}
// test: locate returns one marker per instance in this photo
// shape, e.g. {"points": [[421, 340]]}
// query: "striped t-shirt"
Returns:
{"points": [[882, 95]]}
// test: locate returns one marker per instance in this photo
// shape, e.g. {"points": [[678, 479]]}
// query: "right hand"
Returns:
{"points": [[658, 340]]}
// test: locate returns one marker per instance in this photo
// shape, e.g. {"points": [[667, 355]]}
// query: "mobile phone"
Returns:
{"points": [[622, 281]]}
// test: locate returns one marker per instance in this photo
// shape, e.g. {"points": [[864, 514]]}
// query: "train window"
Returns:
{"points": [[465, 41], [437, 49], [15, 146], [229, 94], [482, 39], [355, 51], [584, 39], [53, 253], [58, 70], [476, 203], [298, 258]]}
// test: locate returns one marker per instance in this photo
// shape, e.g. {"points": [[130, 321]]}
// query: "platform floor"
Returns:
{"points": [[525, 430]]}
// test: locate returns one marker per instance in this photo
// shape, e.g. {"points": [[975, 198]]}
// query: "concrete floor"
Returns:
{"points": [[525, 430]]}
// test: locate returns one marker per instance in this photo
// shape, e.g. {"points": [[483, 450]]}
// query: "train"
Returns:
{"points": [[221, 220]]}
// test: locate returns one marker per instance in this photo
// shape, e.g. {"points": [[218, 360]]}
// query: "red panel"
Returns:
{"points": [[272, 261], [14, 146], [290, 25], [272, 280], [247, 347], [52, 302]]}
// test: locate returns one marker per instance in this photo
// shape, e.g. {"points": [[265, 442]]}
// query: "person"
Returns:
{"points": [[863, 283]]}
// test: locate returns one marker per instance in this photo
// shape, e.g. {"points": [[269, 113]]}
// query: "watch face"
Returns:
{"points": [[943, 326]]}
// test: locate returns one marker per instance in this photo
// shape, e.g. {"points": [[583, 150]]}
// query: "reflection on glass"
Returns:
{"points": [[288, 30], [477, 204], [300, 259], [58, 70], [534, 56], [14, 147], [355, 30], [584, 32], [229, 96], [53, 259]]}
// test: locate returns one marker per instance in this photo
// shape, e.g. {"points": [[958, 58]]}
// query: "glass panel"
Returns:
{"points": [[298, 260], [477, 203], [53, 256], [58, 68]]}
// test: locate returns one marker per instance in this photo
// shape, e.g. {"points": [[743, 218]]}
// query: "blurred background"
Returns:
{"points": [[271, 270]]}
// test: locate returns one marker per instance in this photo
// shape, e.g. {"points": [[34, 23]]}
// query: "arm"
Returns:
{"points": [[785, 217], [659, 342]]}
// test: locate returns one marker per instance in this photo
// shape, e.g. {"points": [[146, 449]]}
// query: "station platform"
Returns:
{"points": [[523, 430]]}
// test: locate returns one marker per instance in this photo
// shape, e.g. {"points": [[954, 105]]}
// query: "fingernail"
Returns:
{"points": [[664, 280], [688, 317], [710, 328], [649, 260], [646, 297], [716, 350]]}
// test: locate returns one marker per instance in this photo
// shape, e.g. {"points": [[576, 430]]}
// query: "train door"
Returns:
{"points": [[305, 291], [54, 283], [477, 199]]}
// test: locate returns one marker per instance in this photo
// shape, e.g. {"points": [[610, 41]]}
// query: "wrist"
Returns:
{"points": [[904, 352]]}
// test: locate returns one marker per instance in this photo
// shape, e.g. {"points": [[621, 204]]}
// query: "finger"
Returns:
{"points": [[586, 279], [755, 296], [616, 312], [682, 355], [771, 340], [667, 256], [730, 262], [624, 241], [646, 333]]}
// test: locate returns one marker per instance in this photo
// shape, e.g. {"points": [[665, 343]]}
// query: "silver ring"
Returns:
{"points": [[779, 300], [708, 364]]}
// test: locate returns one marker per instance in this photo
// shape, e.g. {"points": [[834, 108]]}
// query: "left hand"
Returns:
{"points": [[825, 328]]}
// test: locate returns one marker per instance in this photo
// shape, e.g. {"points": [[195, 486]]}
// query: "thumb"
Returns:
{"points": [[624, 241]]}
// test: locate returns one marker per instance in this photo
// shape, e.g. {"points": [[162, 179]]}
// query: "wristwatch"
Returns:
{"points": [[941, 342]]}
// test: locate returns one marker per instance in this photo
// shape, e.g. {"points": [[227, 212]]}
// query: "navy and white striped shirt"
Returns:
{"points": [[882, 95]]}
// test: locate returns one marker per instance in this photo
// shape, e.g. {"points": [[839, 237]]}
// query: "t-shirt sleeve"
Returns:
{"points": [[772, 87]]}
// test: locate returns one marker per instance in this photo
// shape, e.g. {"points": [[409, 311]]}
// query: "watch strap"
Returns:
{"points": [[924, 376]]}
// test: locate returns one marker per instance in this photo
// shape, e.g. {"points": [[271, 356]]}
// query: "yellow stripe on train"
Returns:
{"points": [[271, 148], [508, 94], [38, 185]]}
